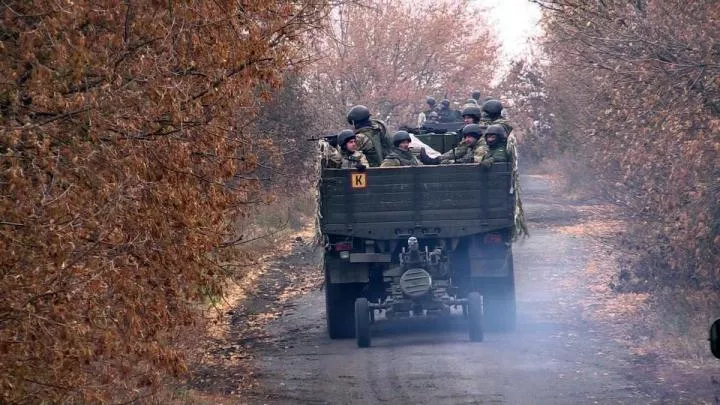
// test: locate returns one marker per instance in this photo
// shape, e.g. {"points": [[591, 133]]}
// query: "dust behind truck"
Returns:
{"points": [[418, 242]]}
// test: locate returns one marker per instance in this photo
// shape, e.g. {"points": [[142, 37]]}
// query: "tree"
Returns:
{"points": [[646, 120], [389, 55], [121, 124]]}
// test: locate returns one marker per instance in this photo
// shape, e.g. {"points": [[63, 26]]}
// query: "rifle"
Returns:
{"points": [[331, 139]]}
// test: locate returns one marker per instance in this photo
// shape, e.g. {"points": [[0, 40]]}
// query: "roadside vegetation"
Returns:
{"points": [[150, 151], [626, 96]]}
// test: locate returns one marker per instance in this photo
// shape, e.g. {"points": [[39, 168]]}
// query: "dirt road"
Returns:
{"points": [[556, 356]]}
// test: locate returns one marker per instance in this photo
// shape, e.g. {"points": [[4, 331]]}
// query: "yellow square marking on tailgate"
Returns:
{"points": [[358, 180]]}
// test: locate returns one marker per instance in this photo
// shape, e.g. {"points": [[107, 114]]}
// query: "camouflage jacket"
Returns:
{"points": [[399, 157], [350, 160], [495, 154], [331, 156], [373, 142], [465, 154]]}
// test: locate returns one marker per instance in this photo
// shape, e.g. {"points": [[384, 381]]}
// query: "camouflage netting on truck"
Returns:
{"points": [[520, 228]]}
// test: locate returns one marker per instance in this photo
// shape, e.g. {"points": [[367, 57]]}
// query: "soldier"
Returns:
{"points": [[425, 115], [371, 134], [495, 138], [475, 95], [401, 155], [471, 114], [351, 156], [471, 149], [446, 113], [492, 114]]}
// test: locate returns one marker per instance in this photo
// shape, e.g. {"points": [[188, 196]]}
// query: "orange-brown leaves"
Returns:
{"points": [[115, 162], [645, 122]]}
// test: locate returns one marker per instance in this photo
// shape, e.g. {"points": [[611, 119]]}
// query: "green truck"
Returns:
{"points": [[418, 241]]}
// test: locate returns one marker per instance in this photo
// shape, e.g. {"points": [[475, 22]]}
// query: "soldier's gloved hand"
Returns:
{"points": [[427, 160], [487, 163], [360, 167]]}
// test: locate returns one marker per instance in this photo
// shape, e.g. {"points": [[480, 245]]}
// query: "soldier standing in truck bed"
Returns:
{"points": [[492, 114], [371, 134]]}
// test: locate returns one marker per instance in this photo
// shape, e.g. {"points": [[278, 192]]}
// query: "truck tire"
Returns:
{"points": [[475, 317], [499, 299], [339, 300], [362, 322]]}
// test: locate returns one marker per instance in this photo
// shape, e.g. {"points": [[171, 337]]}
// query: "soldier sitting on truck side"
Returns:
{"points": [[351, 157], [472, 149], [401, 154], [496, 141], [371, 134]]}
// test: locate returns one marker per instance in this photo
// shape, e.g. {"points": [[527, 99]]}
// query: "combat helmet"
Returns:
{"points": [[357, 114], [498, 130], [474, 130], [493, 108], [344, 136], [472, 110], [400, 136]]}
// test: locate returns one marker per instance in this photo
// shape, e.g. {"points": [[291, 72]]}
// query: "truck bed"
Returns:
{"points": [[426, 201]]}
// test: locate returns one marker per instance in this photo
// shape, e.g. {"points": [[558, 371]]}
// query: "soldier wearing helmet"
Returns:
{"points": [[426, 115], [401, 154], [351, 156], [495, 138], [471, 149], [371, 134], [471, 114], [447, 114], [475, 95], [492, 114]]}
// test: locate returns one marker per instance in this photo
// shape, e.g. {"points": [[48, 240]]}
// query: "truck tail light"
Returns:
{"points": [[493, 239], [343, 246]]}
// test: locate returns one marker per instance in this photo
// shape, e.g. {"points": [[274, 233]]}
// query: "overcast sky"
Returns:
{"points": [[515, 21]]}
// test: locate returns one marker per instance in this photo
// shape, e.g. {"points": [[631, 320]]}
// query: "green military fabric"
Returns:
{"points": [[373, 142], [399, 157], [351, 160], [464, 153], [497, 153], [499, 121]]}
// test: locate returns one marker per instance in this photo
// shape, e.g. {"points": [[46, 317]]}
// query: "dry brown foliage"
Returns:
{"points": [[121, 130], [635, 86]]}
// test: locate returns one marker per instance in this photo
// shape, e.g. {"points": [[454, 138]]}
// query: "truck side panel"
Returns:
{"points": [[438, 201]]}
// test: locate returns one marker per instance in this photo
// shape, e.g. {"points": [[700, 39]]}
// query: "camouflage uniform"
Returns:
{"points": [[494, 154], [351, 159], [465, 154], [373, 142], [399, 157], [500, 121], [331, 156]]}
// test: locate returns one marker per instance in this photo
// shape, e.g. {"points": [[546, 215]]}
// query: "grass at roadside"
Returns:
{"points": [[269, 232], [667, 325]]}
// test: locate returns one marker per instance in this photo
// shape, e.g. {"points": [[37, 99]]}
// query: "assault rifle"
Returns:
{"points": [[331, 139], [435, 128]]}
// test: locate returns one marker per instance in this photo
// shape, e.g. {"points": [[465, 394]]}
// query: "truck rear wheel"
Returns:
{"points": [[362, 322], [499, 300], [475, 317], [339, 301]]}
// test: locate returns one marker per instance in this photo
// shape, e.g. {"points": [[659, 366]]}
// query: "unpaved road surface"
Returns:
{"points": [[556, 355]]}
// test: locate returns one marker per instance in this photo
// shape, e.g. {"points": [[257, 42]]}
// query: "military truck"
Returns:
{"points": [[418, 241]]}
